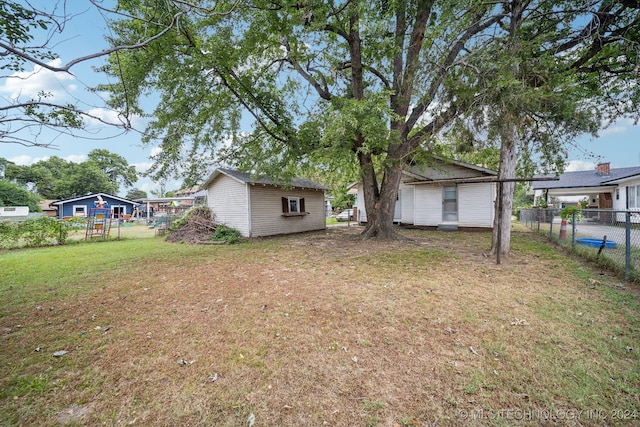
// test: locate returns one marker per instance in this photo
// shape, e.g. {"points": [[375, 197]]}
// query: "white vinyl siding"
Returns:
{"points": [[227, 200], [475, 205], [428, 206], [267, 218], [406, 199]]}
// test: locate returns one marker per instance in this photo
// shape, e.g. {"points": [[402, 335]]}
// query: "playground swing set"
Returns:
{"points": [[99, 220]]}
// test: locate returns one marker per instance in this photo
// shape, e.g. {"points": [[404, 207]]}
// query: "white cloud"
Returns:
{"points": [[76, 158], [613, 130], [141, 166], [30, 83], [108, 116], [113, 117], [579, 165], [155, 151], [26, 160]]}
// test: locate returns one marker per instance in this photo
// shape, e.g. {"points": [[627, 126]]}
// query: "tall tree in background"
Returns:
{"points": [[569, 67], [114, 166], [56, 178], [349, 83]]}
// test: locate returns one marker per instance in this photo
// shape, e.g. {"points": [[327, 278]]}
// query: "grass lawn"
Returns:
{"points": [[316, 329]]}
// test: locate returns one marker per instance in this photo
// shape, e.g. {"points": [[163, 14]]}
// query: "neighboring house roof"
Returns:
{"points": [[165, 199], [585, 179], [188, 191], [45, 205], [247, 178], [418, 173], [90, 196]]}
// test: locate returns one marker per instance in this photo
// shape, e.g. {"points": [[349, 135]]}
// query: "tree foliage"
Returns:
{"points": [[13, 195], [136, 193], [56, 178], [367, 86]]}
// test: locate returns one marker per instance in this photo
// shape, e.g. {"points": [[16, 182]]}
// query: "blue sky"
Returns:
{"points": [[84, 35]]}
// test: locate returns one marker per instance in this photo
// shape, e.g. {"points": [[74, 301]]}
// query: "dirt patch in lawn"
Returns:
{"points": [[325, 329]]}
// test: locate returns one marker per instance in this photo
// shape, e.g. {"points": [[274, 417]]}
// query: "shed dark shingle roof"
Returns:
{"points": [[590, 178], [247, 178]]}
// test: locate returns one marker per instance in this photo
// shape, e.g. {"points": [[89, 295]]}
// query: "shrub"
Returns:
{"points": [[227, 234], [33, 232], [568, 213]]}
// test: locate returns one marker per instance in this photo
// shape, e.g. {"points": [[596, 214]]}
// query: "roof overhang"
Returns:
{"points": [[578, 191], [90, 196]]}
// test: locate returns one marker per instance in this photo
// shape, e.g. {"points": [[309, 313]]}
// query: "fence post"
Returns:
{"points": [[550, 224], [573, 231], [627, 260]]}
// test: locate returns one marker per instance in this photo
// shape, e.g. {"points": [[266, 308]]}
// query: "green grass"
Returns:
{"points": [[342, 331]]}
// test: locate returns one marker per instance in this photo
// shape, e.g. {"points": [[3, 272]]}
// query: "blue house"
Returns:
{"points": [[79, 206]]}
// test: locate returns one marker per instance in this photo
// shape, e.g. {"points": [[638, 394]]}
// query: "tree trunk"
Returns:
{"points": [[506, 170], [379, 202]]}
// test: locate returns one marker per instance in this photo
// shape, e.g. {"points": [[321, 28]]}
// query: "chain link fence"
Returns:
{"points": [[612, 238]]}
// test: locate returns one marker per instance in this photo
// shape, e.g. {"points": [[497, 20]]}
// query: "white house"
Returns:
{"points": [[604, 188], [445, 194], [259, 207]]}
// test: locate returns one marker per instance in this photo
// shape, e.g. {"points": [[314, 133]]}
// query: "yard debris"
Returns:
{"points": [[449, 330], [251, 420], [213, 378], [38, 348], [473, 350], [197, 227], [519, 322], [60, 353]]}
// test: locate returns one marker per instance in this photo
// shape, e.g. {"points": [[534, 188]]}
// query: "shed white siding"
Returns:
{"points": [[407, 201], [362, 212], [476, 205], [428, 205], [266, 211], [227, 199]]}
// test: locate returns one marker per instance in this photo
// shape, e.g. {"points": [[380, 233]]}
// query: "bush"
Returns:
{"points": [[568, 213], [33, 232], [226, 234]]}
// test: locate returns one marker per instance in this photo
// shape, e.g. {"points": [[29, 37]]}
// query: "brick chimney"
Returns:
{"points": [[603, 168]]}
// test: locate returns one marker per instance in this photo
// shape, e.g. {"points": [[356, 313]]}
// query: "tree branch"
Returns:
{"points": [[70, 64], [457, 47]]}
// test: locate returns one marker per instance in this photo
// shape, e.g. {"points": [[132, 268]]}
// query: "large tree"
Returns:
{"points": [[569, 67], [56, 178], [114, 166], [335, 83], [13, 195]]}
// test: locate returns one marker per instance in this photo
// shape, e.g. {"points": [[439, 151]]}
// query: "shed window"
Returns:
{"points": [[293, 205]]}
